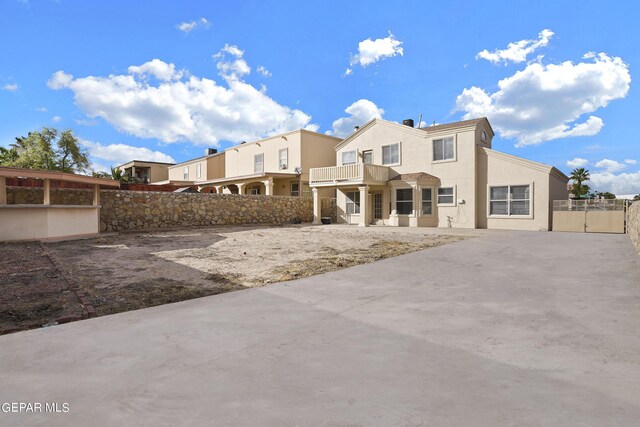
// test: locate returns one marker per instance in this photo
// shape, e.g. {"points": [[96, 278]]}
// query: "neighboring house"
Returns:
{"points": [[439, 176], [278, 165], [150, 172], [210, 166]]}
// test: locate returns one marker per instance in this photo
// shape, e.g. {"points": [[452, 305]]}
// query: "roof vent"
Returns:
{"points": [[355, 128], [408, 122]]}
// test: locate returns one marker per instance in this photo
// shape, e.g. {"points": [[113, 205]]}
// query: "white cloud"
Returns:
{"points": [[187, 27], [99, 167], [623, 183], [545, 102], [610, 165], [518, 51], [231, 65], [185, 107], [59, 80], [262, 70], [372, 51], [348, 72], [360, 112], [56, 119], [42, 109], [10, 87], [630, 161], [159, 69], [117, 154], [577, 163]]}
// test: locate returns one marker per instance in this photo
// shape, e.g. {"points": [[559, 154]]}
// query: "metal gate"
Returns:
{"points": [[590, 216]]}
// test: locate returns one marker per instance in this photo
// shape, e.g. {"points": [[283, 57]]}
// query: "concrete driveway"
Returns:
{"points": [[510, 328]]}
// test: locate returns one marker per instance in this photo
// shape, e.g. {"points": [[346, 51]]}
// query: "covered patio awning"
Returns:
{"points": [[34, 221], [265, 178]]}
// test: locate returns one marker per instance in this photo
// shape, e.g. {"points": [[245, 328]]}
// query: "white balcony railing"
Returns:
{"points": [[357, 173]]}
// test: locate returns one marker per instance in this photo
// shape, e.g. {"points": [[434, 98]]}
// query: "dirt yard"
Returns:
{"points": [[131, 271]]}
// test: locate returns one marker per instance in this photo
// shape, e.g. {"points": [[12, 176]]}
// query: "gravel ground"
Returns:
{"points": [[135, 270]]}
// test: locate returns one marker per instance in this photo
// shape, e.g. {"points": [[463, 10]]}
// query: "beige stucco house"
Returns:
{"points": [[278, 165], [440, 176], [151, 172], [208, 167]]}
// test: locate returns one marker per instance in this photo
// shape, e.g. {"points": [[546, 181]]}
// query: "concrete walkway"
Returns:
{"points": [[510, 328]]}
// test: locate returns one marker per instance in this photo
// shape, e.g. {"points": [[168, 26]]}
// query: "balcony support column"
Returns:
{"points": [[268, 187], [317, 206], [364, 206]]}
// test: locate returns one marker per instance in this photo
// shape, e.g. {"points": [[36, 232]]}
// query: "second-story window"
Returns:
{"points": [[185, 173], [391, 154], [367, 157], [198, 170], [443, 149], [348, 157], [258, 163], [284, 158]]}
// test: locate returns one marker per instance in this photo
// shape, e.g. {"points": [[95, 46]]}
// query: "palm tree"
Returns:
{"points": [[578, 176], [117, 174]]}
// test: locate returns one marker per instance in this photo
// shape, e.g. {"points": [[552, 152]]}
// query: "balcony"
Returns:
{"points": [[357, 173]]}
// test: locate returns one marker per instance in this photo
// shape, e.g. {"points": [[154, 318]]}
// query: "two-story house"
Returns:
{"points": [[208, 167], [439, 176], [146, 171], [278, 165]]}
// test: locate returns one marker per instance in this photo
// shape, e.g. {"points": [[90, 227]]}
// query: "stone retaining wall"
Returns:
{"points": [[633, 224], [138, 210]]}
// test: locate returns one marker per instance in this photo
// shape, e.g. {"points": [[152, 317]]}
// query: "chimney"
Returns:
{"points": [[210, 151], [355, 128], [408, 122]]}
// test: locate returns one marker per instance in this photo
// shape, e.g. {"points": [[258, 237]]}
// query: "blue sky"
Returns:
{"points": [[164, 80]]}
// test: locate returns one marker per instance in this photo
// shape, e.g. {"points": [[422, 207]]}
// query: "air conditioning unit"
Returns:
{"points": [[283, 166]]}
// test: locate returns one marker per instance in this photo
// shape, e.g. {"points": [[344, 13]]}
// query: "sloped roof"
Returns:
{"points": [[413, 176], [428, 129], [462, 123]]}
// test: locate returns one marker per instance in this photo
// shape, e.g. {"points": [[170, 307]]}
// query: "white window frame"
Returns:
{"points": [[353, 153], [254, 190], [257, 169], [412, 201], [432, 189], [296, 191], [531, 200], [454, 195], [283, 161], [350, 201], [364, 155], [444, 160], [185, 173], [198, 170], [391, 163]]}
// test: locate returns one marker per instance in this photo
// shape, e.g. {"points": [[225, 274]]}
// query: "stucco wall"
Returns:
{"points": [[416, 155], [136, 210], [633, 224]]}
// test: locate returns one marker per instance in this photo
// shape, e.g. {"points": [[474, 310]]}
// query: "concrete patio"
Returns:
{"points": [[508, 328]]}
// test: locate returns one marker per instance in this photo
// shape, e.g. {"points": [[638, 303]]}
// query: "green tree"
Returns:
{"points": [[606, 195], [46, 149], [636, 197], [7, 155], [116, 174], [578, 176]]}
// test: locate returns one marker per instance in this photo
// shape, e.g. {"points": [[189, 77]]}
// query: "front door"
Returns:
{"points": [[377, 206]]}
